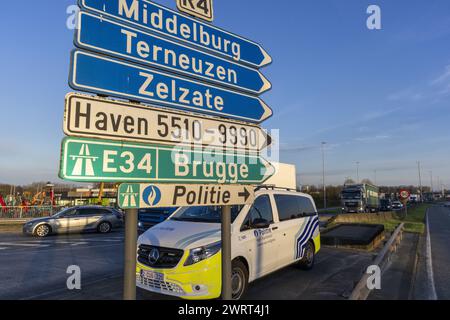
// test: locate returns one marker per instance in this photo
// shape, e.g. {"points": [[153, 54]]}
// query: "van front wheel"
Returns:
{"points": [[307, 262], [239, 279]]}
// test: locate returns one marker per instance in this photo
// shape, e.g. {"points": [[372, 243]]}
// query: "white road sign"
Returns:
{"points": [[132, 196], [93, 117], [202, 9]]}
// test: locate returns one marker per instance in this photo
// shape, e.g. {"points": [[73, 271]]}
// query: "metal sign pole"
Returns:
{"points": [[129, 286], [226, 253]]}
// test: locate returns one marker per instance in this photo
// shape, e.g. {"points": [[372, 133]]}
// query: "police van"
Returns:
{"points": [[181, 256]]}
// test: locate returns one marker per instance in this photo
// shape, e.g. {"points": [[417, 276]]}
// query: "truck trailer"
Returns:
{"points": [[360, 198]]}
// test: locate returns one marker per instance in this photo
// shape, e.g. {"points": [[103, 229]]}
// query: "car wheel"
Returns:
{"points": [[239, 279], [42, 231], [307, 262], [104, 227]]}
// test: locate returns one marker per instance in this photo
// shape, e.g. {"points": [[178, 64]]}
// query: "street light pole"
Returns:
{"points": [[357, 171], [420, 181], [323, 176], [431, 181]]}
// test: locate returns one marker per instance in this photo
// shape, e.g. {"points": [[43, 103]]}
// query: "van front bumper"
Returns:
{"points": [[200, 281]]}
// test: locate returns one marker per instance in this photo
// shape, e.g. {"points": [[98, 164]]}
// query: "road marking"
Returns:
{"points": [[16, 244], [110, 277], [62, 249], [104, 240], [3, 248], [429, 261]]}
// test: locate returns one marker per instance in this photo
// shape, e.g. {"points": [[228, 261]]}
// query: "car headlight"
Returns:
{"points": [[199, 254]]}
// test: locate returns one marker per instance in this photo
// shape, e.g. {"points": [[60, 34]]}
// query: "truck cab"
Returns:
{"points": [[360, 198]]}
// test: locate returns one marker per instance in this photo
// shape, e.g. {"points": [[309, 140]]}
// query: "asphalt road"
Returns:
{"points": [[439, 226], [31, 268]]}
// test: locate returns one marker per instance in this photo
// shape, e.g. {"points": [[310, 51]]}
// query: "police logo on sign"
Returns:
{"points": [[151, 195]]}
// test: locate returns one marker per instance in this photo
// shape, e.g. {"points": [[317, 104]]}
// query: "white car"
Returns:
{"points": [[181, 256]]}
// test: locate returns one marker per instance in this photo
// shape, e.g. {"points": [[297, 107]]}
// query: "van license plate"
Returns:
{"points": [[152, 275]]}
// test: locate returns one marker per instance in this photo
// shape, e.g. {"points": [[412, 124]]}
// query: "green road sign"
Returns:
{"points": [[137, 196], [91, 160]]}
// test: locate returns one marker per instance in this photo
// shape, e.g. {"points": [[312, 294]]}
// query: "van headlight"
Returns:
{"points": [[199, 254]]}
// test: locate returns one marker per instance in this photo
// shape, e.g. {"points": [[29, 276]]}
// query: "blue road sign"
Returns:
{"points": [[106, 76], [118, 40], [156, 18]]}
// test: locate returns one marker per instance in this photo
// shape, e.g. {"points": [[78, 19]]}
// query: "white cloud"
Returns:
{"points": [[442, 78], [373, 138]]}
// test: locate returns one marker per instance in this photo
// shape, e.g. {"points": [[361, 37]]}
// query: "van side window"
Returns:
{"points": [[306, 206], [261, 209], [293, 207], [288, 207]]}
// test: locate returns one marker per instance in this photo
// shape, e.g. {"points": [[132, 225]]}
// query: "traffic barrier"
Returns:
{"points": [[22, 212], [361, 291]]}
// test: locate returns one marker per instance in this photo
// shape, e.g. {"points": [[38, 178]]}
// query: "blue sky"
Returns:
{"points": [[378, 97]]}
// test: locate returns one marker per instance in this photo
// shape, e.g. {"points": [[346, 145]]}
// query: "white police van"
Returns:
{"points": [[181, 256]]}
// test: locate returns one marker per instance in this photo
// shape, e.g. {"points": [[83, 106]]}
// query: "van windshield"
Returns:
{"points": [[204, 214]]}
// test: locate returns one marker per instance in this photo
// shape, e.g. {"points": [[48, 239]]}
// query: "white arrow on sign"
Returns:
{"points": [[133, 196], [93, 117]]}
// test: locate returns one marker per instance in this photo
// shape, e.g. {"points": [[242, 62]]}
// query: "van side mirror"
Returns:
{"points": [[260, 224]]}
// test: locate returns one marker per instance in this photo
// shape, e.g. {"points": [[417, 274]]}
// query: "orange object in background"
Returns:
{"points": [[2, 202]]}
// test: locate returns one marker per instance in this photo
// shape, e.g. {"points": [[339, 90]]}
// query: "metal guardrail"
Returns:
{"points": [[361, 292], [28, 212]]}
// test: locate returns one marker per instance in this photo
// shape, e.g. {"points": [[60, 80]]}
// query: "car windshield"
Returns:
{"points": [[351, 195], [204, 214]]}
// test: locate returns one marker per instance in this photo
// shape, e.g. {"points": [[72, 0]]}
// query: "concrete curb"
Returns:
{"points": [[429, 263], [423, 285], [361, 292]]}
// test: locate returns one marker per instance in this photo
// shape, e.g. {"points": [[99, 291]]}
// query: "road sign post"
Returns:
{"points": [[143, 52], [404, 196], [226, 253], [129, 286]]}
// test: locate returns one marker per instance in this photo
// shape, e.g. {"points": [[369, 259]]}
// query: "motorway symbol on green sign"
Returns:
{"points": [[136, 196], [90, 160], [94, 117]]}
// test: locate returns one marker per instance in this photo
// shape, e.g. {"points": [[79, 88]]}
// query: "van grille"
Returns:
{"points": [[168, 258], [160, 286]]}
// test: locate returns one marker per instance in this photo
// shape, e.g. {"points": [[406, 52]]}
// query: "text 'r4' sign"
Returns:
{"points": [[202, 9]]}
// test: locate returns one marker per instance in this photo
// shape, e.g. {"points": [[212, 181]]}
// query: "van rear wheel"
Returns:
{"points": [[307, 262], [239, 279]]}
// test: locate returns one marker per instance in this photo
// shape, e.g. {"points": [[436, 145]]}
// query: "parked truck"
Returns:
{"points": [[360, 198]]}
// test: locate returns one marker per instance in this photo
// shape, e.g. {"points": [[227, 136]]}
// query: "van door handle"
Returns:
{"points": [[275, 228]]}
